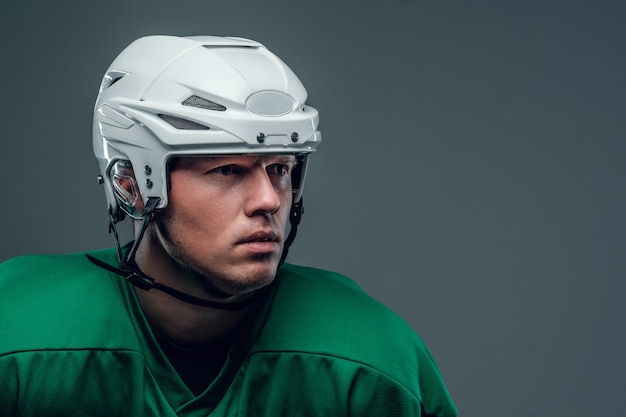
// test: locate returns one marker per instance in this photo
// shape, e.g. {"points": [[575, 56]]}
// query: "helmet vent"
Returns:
{"points": [[182, 124], [111, 78], [114, 80], [195, 101]]}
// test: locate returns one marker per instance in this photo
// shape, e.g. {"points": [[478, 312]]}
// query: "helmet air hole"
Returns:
{"points": [[201, 103], [182, 124]]}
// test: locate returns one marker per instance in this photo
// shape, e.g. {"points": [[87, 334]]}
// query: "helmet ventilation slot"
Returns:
{"points": [[182, 124], [202, 103]]}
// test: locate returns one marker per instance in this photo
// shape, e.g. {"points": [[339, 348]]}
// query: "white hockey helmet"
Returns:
{"points": [[166, 96]]}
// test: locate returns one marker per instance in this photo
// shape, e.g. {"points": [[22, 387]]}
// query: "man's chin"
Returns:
{"points": [[248, 280]]}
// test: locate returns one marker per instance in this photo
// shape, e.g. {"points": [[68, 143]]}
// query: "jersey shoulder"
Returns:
{"points": [[323, 312], [331, 302], [59, 302]]}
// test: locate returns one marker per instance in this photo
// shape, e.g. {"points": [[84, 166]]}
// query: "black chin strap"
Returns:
{"points": [[145, 282]]}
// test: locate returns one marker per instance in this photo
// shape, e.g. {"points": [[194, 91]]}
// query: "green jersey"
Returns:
{"points": [[74, 342]]}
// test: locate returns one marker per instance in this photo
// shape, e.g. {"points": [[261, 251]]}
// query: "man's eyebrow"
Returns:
{"points": [[283, 158]]}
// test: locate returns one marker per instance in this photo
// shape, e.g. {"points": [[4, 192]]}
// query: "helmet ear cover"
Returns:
{"points": [[125, 189]]}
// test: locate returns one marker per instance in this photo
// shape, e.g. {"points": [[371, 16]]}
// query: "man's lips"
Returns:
{"points": [[262, 242], [261, 236]]}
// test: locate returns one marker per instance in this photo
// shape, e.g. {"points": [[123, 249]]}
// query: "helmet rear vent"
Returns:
{"points": [[111, 78], [182, 124], [202, 103]]}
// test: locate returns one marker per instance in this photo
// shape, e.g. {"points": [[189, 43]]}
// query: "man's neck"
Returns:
{"points": [[187, 325], [180, 322]]}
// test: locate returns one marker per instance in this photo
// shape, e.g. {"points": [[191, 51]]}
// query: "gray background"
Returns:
{"points": [[471, 174]]}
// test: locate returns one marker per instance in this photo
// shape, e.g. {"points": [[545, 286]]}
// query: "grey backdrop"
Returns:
{"points": [[471, 174]]}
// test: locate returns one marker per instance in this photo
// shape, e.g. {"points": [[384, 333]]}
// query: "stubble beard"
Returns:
{"points": [[197, 279]]}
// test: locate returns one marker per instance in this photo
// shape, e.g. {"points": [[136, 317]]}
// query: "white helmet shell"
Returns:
{"points": [[167, 96]]}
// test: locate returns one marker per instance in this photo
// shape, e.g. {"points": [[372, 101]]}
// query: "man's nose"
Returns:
{"points": [[263, 196]]}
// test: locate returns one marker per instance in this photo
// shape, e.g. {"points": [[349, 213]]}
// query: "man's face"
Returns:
{"points": [[224, 226]]}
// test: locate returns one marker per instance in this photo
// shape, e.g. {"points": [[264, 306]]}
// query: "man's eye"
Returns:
{"points": [[226, 170], [278, 169]]}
